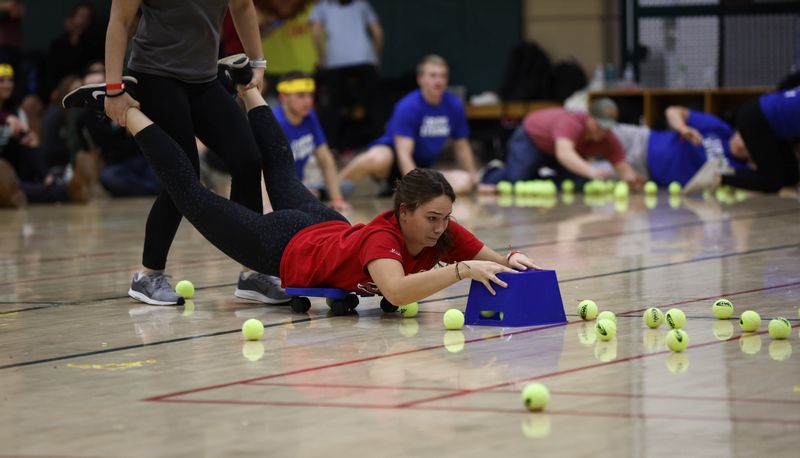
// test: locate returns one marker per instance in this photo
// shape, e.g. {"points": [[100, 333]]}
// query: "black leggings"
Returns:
{"points": [[774, 158], [207, 110], [255, 240]]}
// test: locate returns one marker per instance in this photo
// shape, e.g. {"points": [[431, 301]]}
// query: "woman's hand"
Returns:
{"points": [[117, 107], [520, 261], [484, 272]]}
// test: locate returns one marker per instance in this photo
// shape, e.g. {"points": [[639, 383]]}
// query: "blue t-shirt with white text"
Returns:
{"points": [[428, 125], [670, 157], [303, 138], [782, 110]]}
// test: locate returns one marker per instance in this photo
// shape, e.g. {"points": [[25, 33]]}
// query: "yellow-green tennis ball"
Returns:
{"points": [[185, 289], [722, 309], [780, 328], [677, 340], [409, 310], [607, 315], [750, 321], [675, 318], [653, 317], [621, 190], [567, 185], [453, 319], [253, 329], [505, 187], [605, 330], [587, 310], [650, 188], [535, 396], [454, 341], [675, 188]]}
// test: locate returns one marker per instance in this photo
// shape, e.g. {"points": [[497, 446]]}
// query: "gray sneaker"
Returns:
{"points": [[154, 289], [261, 287]]}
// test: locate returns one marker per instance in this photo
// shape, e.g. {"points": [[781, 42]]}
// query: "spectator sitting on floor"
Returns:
{"points": [[416, 133]]}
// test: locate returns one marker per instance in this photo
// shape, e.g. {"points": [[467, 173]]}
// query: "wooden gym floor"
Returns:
{"points": [[87, 372]]}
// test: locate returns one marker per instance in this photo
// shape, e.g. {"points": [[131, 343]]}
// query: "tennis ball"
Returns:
{"points": [[677, 340], [520, 187], [750, 321], [607, 315], [653, 317], [453, 341], [253, 329], [722, 309], [780, 350], [587, 309], [675, 318], [621, 190], [780, 328], [487, 313], [675, 188], [549, 188], [650, 188], [409, 310], [505, 187], [567, 185], [605, 330], [185, 289], [535, 396], [453, 319]]}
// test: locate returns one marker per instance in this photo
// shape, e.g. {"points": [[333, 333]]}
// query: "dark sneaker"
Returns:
{"points": [[92, 95], [260, 287], [10, 193], [236, 68], [154, 289]]}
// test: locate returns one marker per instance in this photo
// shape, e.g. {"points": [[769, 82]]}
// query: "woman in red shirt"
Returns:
{"points": [[310, 245]]}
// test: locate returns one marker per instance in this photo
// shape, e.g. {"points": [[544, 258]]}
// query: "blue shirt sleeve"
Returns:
{"points": [[316, 130], [707, 123], [368, 13], [406, 120], [458, 117]]}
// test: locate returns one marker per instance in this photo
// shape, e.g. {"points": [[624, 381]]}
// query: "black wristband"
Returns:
{"points": [[117, 94]]}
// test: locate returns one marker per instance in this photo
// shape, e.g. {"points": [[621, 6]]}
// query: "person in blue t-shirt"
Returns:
{"points": [[422, 122], [299, 122], [696, 139], [768, 130]]}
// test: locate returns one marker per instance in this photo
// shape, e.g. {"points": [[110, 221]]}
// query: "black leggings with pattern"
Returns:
{"points": [[255, 240]]}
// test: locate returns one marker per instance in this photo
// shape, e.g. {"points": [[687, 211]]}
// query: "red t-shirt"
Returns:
{"points": [[336, 254], [545, 126]]}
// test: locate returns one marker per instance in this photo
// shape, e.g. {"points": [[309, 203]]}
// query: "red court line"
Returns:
{"points": [[466, 392], [519, 411], [554, 392]]}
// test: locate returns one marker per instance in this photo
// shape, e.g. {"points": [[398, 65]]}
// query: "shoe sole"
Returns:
{"points": [[142, 298], [254, 296], [236, 61]]}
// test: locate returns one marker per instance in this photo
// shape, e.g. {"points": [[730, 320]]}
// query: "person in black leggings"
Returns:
{"points": [[174, 58], [394, 255]]}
